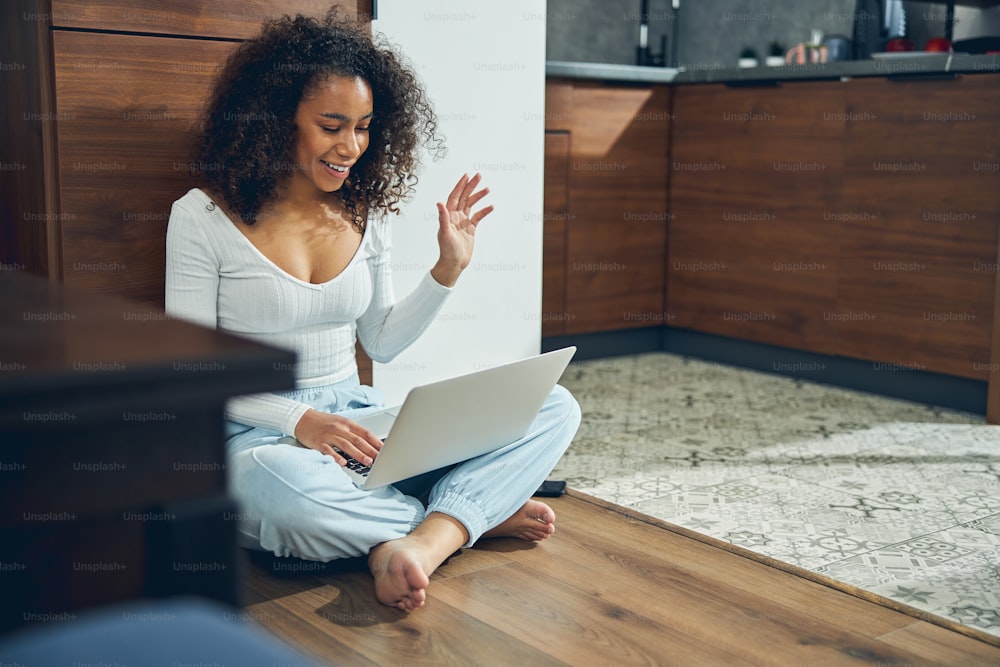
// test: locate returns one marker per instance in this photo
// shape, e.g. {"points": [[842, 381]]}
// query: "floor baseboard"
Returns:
{"points": [[884, 379]]}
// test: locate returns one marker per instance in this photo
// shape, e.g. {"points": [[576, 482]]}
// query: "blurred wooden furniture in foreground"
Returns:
{"points": [[112, 461]]}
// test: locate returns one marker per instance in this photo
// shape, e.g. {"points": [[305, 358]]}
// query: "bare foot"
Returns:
{"points": [[402, 568], [400, 577], [534, 522]]}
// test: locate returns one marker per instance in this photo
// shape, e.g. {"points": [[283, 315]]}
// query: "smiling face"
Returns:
{"points": [[332, 124]]}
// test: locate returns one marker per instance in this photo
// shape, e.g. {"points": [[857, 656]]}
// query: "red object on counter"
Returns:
{"points": [[897, 44], [938, 45]]}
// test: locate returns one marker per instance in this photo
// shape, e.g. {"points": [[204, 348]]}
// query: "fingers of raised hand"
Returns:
{"points": [[463, 196], [481, 214], [474, 198], [469, 189], [455, 199]]}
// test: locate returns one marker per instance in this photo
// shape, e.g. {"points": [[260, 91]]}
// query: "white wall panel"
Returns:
{"points": [[483, 64]]}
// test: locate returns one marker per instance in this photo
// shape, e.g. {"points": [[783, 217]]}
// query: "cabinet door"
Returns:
{"points": [[616, 227], [238, 19], [919, 230], [126, 107], [754, 179], [554, 313]]}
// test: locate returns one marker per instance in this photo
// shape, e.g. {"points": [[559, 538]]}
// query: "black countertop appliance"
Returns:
{"points": [[869, 28], [643, 55]]}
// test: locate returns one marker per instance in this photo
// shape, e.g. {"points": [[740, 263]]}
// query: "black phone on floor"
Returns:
{"points": [[551, 488]]}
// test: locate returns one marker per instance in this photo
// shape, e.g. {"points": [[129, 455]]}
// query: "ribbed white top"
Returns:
{"points": [[217, 278]]}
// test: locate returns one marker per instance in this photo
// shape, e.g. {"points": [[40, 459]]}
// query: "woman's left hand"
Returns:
{"points": [[457, 225]]}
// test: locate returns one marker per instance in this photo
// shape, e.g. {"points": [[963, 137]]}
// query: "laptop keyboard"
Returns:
{"points": [[355, 465]]}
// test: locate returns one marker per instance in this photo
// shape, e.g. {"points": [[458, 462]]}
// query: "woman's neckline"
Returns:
{"points": [[214, 206]]}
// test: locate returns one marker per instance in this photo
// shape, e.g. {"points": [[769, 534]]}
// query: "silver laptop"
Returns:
{"points": [[454, 420]]}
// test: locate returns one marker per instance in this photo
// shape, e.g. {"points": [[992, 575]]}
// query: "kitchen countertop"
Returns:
{"points": [[608, 72], [911, 64]]}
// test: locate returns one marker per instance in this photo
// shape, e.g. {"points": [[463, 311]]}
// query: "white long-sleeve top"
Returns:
{"points": [[217, 278]]}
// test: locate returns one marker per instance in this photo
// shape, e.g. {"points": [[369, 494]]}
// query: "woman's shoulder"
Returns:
{"points": [[196, 202], [378, 231], [203, 206], [197, 213]]}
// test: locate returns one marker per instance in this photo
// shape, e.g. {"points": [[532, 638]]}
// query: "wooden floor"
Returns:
{"points": [[608, 589]]}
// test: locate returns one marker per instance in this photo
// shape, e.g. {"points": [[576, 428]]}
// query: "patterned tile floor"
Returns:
{"points": [[894, 497]]}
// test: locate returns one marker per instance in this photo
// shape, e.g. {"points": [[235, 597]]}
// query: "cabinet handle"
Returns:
{"points": [[754, 83], [922, 76]]}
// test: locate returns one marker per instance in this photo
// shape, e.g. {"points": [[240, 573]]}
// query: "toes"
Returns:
{"points": [[411, 602], [399, 580]]}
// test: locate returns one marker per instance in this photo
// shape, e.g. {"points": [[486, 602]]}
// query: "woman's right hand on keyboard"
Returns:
{"points": [[327, 433]]}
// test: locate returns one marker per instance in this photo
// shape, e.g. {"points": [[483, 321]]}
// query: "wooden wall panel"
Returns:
{"points": [[27, 134], [99, 126], [234, 19], [127, 105]]}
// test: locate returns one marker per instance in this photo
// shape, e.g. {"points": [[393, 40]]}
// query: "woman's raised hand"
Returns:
{"points": [[457, 225]]}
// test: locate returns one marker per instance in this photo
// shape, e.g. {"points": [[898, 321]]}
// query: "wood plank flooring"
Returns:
{"points": [[610, 588]]}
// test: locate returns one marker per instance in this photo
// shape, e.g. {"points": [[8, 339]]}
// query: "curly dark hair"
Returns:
{"points": [[247, 136]]}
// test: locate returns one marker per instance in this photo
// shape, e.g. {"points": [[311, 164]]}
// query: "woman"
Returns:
{"points": [[308, 142]]}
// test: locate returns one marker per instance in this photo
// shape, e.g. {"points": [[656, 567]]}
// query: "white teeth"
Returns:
{"points": [[334, 166]]}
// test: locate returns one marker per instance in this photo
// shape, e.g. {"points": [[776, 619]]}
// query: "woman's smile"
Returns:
{"points": [[336, 171]]}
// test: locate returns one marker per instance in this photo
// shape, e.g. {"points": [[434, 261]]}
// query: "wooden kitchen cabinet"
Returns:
{"points": [[615, 214], [921, 206], [851, 218], [855, 219], [554, 313], [755, 177]]}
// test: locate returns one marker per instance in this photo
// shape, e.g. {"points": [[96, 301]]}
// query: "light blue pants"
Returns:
{"points": [[297, 502]]}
